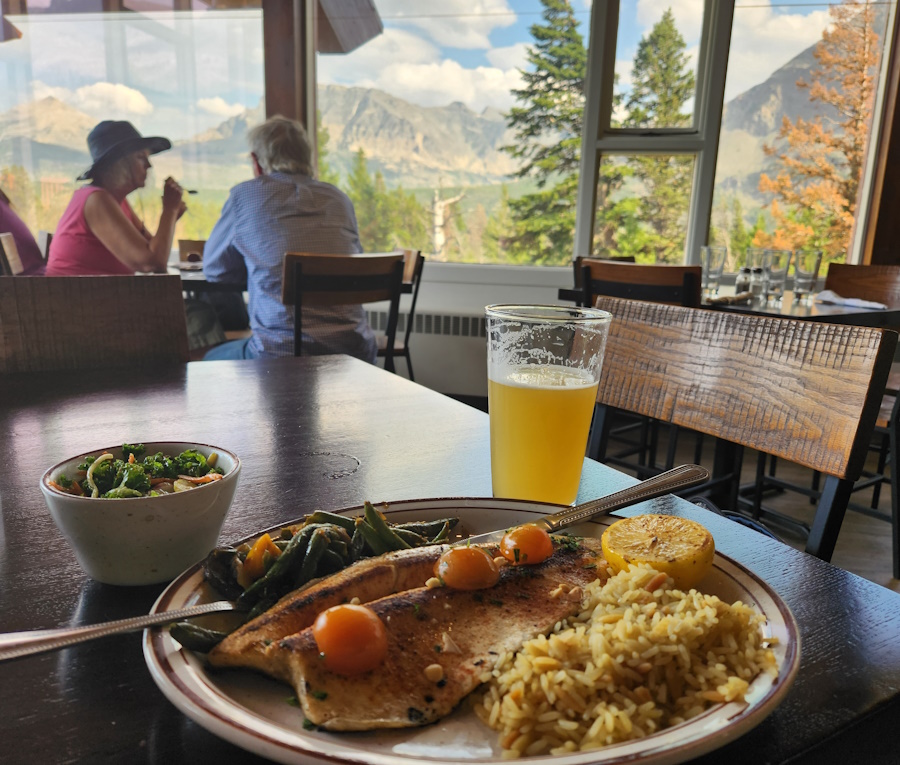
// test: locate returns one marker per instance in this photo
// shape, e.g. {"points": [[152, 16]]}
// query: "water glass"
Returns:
{"points": [[775, 266], [806, 272], [544, 366], [712, 262], [756, 256]]}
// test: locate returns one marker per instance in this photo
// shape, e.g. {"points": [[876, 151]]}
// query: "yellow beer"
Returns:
{"points": [[540, 418]]}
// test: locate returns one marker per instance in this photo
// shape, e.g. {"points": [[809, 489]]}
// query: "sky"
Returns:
{"points": [[177, 76]]}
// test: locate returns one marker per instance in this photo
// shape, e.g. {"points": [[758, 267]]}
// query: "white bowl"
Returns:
{"points": [[143, 540]]}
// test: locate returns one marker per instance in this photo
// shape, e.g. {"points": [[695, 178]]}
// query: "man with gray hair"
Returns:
{"points": [[284, 209]]}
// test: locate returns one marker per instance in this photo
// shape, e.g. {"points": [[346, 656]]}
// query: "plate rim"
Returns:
{"points": [[311, 750]]}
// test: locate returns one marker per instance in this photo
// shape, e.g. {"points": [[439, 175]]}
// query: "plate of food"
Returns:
{"points": [[567, 657]]}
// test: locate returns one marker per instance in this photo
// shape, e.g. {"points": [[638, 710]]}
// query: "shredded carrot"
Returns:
{"points": [[202, 479], [55, 485], [76, 489], [131, 458], [155, 481]]}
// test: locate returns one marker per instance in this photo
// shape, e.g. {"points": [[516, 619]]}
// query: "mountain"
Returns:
{"points": [[415, 146], [412, 146], [46, 135]]}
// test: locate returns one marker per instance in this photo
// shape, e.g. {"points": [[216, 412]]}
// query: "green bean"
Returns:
{"points": [[293, 555], [318, 543], [196, 638], [374, 519], [375, 543], [410, 537], [443, 534], [331, 562], [357, 543], [321, 516], [428, 529]]}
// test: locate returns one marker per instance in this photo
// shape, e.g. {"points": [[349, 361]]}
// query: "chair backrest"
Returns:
{"points": [[808, 392], [678, 285], [413, 264], [44, 238], [578, 263], [878, 283], [52, 323], [10, 262], [330, 280]]}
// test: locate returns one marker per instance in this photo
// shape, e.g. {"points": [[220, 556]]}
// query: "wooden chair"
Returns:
{"points": [[57, 323], [678, 285], [413, 264], [10, 262], [807, 392], [44, 238], [878, 283], [332, 280]]}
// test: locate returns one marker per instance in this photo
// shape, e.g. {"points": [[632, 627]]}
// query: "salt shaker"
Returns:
{"points": [[742, 280], [757, 283]]}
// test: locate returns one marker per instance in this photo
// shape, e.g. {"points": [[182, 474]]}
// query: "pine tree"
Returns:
{"points": [[548, 138], [662, 83], [820, 165], [326, 172]]}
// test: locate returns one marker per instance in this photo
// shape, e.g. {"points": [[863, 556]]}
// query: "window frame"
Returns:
{"points": [[700, 141]]}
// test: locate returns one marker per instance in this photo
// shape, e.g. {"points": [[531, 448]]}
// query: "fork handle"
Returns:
{"points": [[14, 645]]}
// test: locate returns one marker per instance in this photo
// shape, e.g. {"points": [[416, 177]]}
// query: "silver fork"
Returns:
{"points": [[14, 645]]}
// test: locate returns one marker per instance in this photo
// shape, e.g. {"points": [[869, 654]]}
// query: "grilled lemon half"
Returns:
{"points": [[681, 548]]}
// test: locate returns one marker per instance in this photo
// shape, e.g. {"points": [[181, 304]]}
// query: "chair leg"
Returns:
{"points": [[409, 366], [829, 516], [894, 460], [599, 433]]}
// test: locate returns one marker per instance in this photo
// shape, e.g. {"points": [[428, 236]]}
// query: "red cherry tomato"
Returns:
{"points": [[526, 544], [467, 568], [352, 639]]}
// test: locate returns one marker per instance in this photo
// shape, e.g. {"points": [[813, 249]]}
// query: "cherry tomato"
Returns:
{"points": [[467, 568], [352, 639], [526, 544]]}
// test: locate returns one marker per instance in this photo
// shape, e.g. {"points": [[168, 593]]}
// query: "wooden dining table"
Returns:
{"points": [[327, 433]]}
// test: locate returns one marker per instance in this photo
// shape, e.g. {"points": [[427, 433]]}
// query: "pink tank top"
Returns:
{"points": [[75, 251]]}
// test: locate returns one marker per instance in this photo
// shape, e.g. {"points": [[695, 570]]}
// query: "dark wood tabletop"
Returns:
{"points": [[297, 424], [809, 310]]}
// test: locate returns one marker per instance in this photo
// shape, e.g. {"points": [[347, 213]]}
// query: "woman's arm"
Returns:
{"points": [[111, 226]]}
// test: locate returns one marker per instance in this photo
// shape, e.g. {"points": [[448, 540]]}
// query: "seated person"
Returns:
{"points": [[99, 233], [284, 209], [29, 252]]}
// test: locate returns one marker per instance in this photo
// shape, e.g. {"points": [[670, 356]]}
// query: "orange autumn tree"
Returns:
{"points": [[820, 161]]}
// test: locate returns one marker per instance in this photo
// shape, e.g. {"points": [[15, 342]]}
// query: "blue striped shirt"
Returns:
{"points": [[262, 220]]}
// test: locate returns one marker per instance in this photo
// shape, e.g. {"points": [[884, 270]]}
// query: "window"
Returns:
{"points": [[195, 77], [787, 169]]}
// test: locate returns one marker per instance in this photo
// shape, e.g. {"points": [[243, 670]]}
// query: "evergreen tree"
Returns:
{"points": [[662, 83], [816, 187], [326, 172], [547, 126]]}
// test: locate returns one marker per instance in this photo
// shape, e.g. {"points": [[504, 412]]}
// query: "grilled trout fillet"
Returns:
{"points": [[367, 579], [463, 632]]}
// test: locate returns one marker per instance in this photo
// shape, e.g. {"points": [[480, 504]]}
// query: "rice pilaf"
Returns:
{"points": [[630, 664]]}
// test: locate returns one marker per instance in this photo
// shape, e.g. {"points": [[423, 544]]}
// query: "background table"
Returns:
{"points": [[329, 432], [812, 311]]}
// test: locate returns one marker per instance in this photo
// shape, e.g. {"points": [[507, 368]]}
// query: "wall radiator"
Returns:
{"points": [[432, 324]]}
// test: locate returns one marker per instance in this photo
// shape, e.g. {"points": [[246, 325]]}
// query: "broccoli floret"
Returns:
{"points": [[192, 463], [64, 481], [160, 466], [106, 474], [134, 477], [136, 449]]}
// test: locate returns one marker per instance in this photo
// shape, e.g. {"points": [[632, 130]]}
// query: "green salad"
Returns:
{"points": [[138, 474]]}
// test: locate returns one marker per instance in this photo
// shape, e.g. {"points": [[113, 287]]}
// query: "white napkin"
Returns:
{"points": [[832, 298]]}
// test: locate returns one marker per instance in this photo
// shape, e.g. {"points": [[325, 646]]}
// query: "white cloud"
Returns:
{"points": [[451, 23], [101, 99], [510, 57], [410, 67], [219, 107]]}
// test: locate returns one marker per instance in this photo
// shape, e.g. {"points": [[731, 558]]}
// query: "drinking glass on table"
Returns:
{"points": [[712, 262], [544, 365], [806, 272], [775, 267]]}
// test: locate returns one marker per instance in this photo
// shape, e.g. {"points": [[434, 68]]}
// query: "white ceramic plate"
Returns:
{"points": [[252, 711]]}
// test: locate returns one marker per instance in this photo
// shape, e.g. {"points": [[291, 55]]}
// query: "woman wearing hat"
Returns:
{"points": [[99, 233]]}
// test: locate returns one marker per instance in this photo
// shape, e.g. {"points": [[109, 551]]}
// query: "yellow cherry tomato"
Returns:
{"points": [[526, 544], [467, 568], [352, 639]]}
